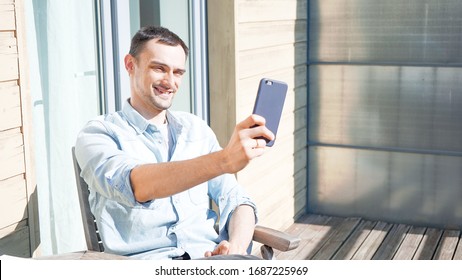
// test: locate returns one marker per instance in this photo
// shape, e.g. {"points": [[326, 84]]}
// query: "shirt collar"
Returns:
{"points": [[137, 121]]}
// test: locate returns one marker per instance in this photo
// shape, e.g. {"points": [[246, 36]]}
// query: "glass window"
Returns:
{"points": [[174, 15], [121, 19]]}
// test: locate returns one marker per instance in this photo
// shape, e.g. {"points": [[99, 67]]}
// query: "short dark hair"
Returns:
{"points": [[162, 34]]}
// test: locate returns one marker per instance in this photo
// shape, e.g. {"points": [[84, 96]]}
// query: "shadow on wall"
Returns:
{"points": [[300, 109], [18, 243]]}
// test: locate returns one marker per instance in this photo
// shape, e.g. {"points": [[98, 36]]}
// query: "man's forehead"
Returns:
{"points": [[154, 52], [156, 45]]}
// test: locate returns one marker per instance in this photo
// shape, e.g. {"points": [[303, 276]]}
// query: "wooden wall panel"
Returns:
{"points": [[300, 192], [19, 230], [9, 68], [8, 43], [223, 81], [11, 153], [10, 106], [263, 61], [266, 34], [7, 21], [8, 54], [13, 200], [271, 10]]}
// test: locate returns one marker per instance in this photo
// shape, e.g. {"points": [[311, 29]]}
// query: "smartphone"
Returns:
{"points": [[269, 104]]}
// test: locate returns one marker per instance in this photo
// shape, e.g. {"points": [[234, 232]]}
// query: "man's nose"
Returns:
{"points": [[169, 80]]}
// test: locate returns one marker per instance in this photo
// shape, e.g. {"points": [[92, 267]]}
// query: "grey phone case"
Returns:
{"points": [[269, 104]]}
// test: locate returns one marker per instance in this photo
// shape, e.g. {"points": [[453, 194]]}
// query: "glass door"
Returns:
{"points": [[64, 87]]}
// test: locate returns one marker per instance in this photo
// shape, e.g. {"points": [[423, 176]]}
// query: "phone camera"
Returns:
{"points": [[269, 83]]}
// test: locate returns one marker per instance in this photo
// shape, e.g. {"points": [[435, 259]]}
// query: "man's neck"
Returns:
{"points": [[156, 119], [160, 119]]}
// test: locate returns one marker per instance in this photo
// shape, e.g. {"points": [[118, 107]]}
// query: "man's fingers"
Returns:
{"points": [[254, 127], [260, 143], [221, 249], [252, 120], [260, 132]]}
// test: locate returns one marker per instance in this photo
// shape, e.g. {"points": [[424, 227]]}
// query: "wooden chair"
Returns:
{"points": [[269, 238], [90, 229]]}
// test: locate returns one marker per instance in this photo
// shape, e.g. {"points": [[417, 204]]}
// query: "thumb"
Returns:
{"points": [[208, 254]]}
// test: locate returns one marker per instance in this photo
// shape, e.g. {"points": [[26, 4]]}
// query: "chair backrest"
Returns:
{"points": [[89, 225]]}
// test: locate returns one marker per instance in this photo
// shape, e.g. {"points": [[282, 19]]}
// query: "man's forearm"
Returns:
{"points": [[241, 228], [158, 180]]}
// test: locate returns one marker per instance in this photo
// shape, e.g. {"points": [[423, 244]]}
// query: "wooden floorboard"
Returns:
{"points": [[410, 244], [447, 246], [428, 245], [354, 242], [458, 254], [391, 243], [372, 242], [305, 228], [337, 238], [326, 237], [317, 239]]}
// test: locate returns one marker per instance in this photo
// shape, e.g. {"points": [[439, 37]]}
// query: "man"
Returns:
{"points": [[151, 171]]}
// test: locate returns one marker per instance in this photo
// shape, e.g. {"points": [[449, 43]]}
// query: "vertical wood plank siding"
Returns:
{"points": [[16, 179], [263, 39]]}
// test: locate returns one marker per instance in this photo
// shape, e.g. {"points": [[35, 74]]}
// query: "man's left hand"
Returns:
{"points": [[224, 248]]}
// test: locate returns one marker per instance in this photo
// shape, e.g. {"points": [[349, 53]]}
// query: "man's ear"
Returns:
{"points": [[129, 62]]}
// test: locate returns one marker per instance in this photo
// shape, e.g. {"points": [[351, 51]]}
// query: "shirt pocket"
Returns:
{"points": [[198, 194]]}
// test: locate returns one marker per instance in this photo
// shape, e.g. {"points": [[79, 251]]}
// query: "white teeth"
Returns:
{"points": [[161, 90]]}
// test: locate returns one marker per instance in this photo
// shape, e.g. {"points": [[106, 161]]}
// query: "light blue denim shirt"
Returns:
{"points": [[110, 146]]}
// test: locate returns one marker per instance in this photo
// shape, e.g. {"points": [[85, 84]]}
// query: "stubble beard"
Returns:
{"points": [[159, 103]]}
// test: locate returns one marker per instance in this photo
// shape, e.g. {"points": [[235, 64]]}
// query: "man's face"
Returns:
{"points": [[156, 75]]}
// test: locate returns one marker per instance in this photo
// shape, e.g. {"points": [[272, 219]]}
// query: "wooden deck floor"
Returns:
{"points": [[326, 238]]}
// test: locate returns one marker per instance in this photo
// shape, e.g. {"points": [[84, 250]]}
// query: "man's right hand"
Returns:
{"points": [[245, 144]]}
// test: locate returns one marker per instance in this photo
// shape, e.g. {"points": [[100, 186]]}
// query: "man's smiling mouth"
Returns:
{"points": [[163, 92]]}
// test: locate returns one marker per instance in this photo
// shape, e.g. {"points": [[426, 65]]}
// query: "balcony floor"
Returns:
{"points": [[327, 237]]}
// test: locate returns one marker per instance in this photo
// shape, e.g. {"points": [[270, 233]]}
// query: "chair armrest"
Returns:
{"points": [[275, 239]]}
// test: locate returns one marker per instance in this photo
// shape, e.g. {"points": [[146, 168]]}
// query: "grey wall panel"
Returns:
{"points": [[386, 106], [404, 31], [397, 187]]}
